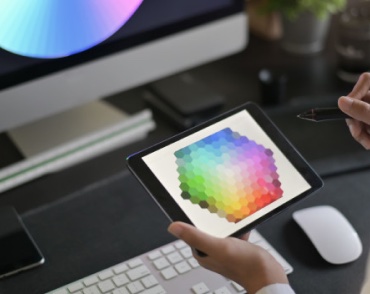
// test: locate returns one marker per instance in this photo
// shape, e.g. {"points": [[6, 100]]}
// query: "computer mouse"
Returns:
{"points": [[330, 232]]}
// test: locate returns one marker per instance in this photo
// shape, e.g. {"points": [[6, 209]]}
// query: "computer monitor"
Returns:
{"points": [[158, 38]]}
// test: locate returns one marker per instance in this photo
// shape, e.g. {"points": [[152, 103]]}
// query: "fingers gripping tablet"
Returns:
{"points": [[226, 175]]}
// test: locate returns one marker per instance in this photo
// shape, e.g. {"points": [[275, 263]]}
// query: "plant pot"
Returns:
{"points": [[305, 34]]}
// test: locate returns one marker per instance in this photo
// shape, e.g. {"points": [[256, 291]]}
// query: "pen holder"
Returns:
{"points": [[272, 87]]}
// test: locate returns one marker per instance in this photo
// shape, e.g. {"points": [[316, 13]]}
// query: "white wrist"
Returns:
{"points": [[276, 289]]}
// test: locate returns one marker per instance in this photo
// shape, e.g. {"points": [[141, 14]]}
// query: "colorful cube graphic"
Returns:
{"points": [[228, 174]]}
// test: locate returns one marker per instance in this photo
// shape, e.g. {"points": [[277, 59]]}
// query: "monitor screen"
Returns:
{"points": [[155, 39]]}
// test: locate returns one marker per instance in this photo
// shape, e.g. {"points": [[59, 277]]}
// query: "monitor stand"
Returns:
{"points": [[57, 130]]}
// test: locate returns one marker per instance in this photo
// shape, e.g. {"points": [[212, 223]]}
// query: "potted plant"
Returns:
{"points": [[305, 22]]}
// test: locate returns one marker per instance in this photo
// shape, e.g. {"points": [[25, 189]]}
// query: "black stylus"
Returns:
{"points": [[323, 114]]}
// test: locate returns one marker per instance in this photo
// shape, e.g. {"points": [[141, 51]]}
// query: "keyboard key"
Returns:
{"points": [[182, 267], [180, 244], [90, 281], [168, 249], [149, 281], [161, 263], [60, 291], [120, 268], [121, 291], [120, 280], [154, 255], [105, 274], [135, 287], [222, 290], [174, 257], [237, 286], [286, 266], [135, 262], [200, 288], [264, 245], [254, 236], [106, 286], [75, 287], [186, 252], [155, 290], [169, 273], [138, 273], [193, 262], [91, 290]]}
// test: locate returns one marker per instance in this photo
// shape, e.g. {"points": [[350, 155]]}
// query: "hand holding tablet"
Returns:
{"points": [[227, 175]]}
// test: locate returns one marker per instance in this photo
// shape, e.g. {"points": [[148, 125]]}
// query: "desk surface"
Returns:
{"points": [[92, 229], [312, 78]]}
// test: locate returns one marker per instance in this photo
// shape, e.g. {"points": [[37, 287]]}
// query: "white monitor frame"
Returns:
{"points": [[102, 77]]}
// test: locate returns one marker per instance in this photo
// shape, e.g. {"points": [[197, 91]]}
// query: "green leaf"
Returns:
{"points": [[292, 8]]}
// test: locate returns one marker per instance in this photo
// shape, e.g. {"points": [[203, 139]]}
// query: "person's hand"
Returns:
{"points": [[249, 265], [357, 106]]}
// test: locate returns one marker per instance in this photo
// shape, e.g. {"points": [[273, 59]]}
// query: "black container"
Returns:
{"points": [[353, 41]]}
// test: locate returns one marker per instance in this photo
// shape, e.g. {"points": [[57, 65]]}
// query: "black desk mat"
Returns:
{"points": [[115, 220], [350, 194], [327, 146], [85, 232]]}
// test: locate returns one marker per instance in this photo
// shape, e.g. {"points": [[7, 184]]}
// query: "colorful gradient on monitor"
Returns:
{"points": [[228, 174], [58, 28]]}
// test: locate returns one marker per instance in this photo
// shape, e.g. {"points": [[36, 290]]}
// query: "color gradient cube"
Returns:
{"points": [[228, 175]]}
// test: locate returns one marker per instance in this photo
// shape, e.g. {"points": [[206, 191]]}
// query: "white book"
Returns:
{"points": [[132, 128]]}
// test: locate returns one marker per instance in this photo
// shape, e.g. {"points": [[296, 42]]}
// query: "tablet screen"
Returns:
{"points": [[226, 175]]}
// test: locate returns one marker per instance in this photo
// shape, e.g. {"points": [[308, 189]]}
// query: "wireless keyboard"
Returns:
{"points": [[129, 130], [168, 269]]}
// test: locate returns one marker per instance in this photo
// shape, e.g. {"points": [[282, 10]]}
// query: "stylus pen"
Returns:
{"points": [[323, 114]]}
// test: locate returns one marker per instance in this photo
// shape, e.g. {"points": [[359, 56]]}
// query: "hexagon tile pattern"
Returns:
{"points": [[228, 174]]}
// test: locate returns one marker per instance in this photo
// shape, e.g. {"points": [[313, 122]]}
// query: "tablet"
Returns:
{"points": [[226, 175]]}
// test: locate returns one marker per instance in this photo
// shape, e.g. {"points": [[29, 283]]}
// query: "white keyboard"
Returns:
{"points": [[132, 129], [168, 269]]}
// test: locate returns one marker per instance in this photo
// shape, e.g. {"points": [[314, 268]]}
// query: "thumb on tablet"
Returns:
{"points": [[193, 237]]}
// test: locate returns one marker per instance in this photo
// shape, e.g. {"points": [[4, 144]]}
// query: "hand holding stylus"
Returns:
{"points": [[357, 106]]}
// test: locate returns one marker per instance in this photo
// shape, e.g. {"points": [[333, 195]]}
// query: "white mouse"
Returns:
{"points": [[330, 232]]}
